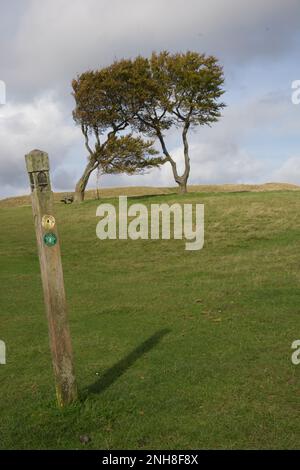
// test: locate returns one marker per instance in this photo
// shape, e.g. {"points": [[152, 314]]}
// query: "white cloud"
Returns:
{"points": [[289, 171], [23, 127], [56, 39]]}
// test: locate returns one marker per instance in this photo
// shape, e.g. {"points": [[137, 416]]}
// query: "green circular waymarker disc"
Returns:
{"points": [[50, 239]]}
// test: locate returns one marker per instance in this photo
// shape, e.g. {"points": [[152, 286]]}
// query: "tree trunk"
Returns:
{"points": [[184, 178], [182, 187], [181, 180], [83, 181]]}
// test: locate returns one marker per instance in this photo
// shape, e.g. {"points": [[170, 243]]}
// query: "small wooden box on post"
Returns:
{"points": [[37, 163]]}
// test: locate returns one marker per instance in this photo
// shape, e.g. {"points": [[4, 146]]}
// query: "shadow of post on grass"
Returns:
{"points": [[114, 372]]}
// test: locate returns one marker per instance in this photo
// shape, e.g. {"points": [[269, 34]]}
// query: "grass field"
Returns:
{"points": [[173, 349]]}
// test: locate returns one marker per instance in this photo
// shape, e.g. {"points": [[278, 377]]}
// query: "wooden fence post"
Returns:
{"points": [[37, 163]]}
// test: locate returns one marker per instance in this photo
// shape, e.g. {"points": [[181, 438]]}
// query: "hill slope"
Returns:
{"points": [[173, 349], [150, 190]]}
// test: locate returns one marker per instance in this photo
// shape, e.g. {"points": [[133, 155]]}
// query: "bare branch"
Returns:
{"points": [[86, 137]]}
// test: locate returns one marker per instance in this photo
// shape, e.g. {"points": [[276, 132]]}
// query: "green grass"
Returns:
{"points": [[173, 349]]}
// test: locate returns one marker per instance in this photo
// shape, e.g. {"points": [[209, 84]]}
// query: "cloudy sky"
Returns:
{"points": [[44, 44]]}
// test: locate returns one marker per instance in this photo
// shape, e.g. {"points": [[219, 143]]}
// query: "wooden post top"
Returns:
{"points": [[37, 160]]}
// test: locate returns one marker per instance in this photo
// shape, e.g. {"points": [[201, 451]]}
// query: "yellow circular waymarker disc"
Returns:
{"points": [[48, 221]]}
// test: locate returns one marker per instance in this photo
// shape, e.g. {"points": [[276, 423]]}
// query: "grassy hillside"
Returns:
{"points": [[93, 194], [173, 349]]}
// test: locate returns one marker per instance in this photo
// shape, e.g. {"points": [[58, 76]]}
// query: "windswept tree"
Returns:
{"points": [[104, 109], [146, 97], [180, 90]]}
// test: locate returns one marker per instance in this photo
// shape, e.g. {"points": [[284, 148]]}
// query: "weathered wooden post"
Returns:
{"points": [[37, 163]]}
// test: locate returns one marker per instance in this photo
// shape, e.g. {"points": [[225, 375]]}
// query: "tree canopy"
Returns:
{"points": [[103, 111], [145, 97], [180, 90]]}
